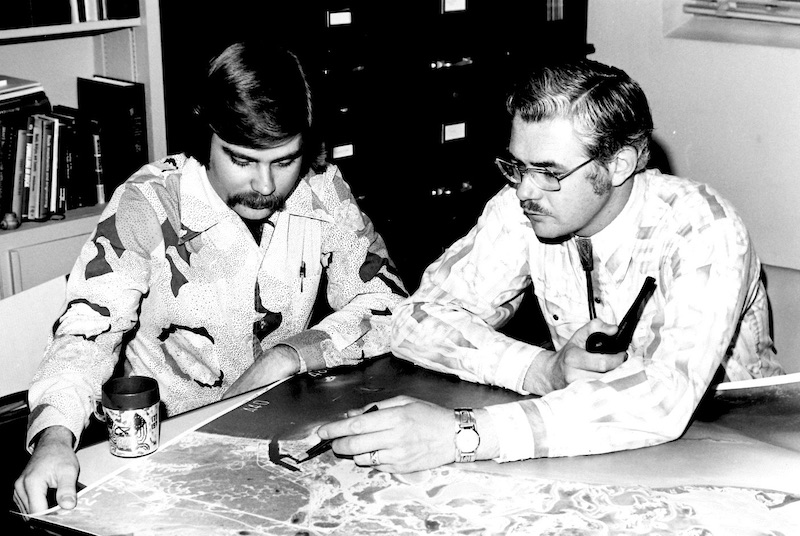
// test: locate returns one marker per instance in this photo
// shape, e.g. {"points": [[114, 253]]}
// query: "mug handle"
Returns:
{"points": [[98, 412]]}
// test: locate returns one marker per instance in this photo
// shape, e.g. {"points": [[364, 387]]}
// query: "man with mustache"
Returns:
{"points": [[204, 269], [585, 224]]}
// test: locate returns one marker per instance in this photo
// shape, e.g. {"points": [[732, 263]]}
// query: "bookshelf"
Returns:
{"points": [[60, 31], [56, 55]]}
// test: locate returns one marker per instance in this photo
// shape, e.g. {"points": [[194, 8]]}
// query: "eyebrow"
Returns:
{"points": [[546, 164], [286, 158]]}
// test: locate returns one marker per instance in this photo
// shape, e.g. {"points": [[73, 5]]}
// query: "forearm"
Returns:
{"points": [[275, 364], [544, 376], [67, 384], [453, 341]]}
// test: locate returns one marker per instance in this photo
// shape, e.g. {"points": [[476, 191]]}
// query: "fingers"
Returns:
{"points": [[361, 423], [66, 494], [596, 325], [365, 443], [393, 402], [590, 362], [52, 465], [379, 459], [21, 499], [30, 495]]}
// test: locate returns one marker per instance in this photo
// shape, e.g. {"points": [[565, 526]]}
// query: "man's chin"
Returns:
{"points": [[548, 233]]}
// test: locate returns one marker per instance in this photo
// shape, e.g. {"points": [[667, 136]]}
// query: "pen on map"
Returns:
{"points": [[325, 444]]}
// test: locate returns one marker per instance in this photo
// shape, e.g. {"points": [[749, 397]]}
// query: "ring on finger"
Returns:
{"points": [[373, 458]]}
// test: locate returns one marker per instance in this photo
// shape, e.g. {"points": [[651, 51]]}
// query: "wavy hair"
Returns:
{"points": [[607, 108], [257, 96]]}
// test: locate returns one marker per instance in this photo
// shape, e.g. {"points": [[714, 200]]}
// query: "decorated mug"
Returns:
{"points": [[130, 408]]}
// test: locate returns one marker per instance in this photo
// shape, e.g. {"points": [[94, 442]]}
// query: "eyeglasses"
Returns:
{"points": [[542, 177]]}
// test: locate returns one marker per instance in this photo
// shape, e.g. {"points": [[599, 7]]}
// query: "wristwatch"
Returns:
{"points": [[467, 437]]}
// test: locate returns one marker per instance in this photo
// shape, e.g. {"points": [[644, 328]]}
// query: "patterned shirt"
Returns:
{"points": [[174, 275], [709, 308]]}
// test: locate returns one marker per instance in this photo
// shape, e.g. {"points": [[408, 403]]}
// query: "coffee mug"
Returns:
{"points": [[130, 409]]}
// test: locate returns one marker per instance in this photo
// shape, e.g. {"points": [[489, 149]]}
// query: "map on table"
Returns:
{"points": [[236, 476]]}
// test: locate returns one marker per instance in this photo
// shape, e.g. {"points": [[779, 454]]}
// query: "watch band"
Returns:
{"points": [[465, 424]]}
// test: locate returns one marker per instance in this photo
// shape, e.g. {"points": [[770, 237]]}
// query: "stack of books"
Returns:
{"points": [[20, 99], [58, 158]]}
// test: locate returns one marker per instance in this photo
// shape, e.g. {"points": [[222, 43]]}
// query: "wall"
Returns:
{"points": [[54, 66], [726, 113]]}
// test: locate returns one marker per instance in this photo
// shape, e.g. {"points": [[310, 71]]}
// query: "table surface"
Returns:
{"points": [[748, 440], [708, 453]]}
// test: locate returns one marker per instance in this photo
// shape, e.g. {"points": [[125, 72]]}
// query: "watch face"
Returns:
{"points": [[467, 440]]}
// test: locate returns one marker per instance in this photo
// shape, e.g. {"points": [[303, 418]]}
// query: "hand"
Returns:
{"points": [[275, 364], [53, 465], [556, 370], [407, 435]]}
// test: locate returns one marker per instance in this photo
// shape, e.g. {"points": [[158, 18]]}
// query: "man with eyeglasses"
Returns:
{"points": [[581, 215]]}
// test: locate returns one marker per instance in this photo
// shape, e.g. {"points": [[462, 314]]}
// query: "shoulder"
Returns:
{"points": [[693, 221], [165, 173], [323, 193], [328, 181], [153, 189], [687, 204]]}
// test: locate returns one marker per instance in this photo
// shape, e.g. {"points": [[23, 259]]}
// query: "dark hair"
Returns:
{"points": [[607, 108], [256, 96]]}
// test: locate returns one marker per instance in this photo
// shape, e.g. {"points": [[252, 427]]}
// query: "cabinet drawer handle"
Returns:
{"points": [[442, 64]]}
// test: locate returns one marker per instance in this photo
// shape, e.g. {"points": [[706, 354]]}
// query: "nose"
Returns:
{"points": [[263, 181], [528, 190]]}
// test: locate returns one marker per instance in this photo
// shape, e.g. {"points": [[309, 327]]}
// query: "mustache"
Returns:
{"points": [[532, 206], [257, 201]]}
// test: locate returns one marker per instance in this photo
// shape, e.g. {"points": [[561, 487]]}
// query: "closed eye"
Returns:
{"points": [[287, 163], [241, 162]]}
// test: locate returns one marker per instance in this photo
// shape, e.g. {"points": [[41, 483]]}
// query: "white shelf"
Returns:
{"points": [[67, 30]]}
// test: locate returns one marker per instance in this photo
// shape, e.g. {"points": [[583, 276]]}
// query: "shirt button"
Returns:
{"points": [[555, 317], [597, 300]]}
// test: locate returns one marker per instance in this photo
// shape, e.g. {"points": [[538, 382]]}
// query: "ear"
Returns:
{"points": [[623, 166]]}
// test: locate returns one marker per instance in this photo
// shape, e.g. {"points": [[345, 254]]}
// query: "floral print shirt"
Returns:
{"points": [[709, 309], [173, 279]]}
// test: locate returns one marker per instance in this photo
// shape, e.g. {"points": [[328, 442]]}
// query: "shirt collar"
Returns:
{"points": [[613, 245]]}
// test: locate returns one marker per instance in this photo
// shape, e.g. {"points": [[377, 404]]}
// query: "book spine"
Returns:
{"points": [[28, 166], [91, 10], [35, 191], [8, 152], [19, 172], [65, 165], [46, 168], [74, 12], [81, 10], [118, 106], [5, 133], [98, 168], [52, 203]]}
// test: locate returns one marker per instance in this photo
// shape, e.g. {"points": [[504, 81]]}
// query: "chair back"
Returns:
{"points": [[26, 321]]}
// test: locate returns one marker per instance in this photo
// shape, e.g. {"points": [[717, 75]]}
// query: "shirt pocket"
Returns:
{"points": [[563, 311]]}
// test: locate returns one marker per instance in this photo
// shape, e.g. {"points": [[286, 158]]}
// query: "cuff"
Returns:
{"points": [[308, 345], [515, 435], [514, 364], [44, 416]]}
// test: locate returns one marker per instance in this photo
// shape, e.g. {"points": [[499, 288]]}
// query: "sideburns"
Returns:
{"points": [[601, 182]]}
